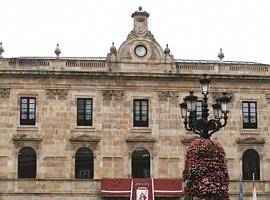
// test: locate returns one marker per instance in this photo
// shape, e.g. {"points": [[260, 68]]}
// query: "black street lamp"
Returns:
{"points": [[200, 124]]}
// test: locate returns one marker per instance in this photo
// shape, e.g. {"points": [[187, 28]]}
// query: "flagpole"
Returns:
{"points": [[254, 193], [131, 189], [153, 189], [241, 192]]}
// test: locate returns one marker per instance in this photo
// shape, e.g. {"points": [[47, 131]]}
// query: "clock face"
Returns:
{"points": [[140, 51]]}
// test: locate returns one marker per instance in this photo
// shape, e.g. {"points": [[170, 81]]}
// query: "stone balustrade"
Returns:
{"points": [[224, 68], [102, 65]]}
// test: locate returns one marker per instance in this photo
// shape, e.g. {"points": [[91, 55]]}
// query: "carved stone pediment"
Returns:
{"points": [[141, 138], [143, 141], [22, 140], [24, 137], [188, 140], [251, 140], [89, 141], [85, 139]]}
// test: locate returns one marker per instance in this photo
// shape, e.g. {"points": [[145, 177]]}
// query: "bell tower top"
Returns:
{"points": [[140, 22]]}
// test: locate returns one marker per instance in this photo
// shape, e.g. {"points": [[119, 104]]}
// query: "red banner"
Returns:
{"points": [[168, 187], [141, 189], [115, 187]]}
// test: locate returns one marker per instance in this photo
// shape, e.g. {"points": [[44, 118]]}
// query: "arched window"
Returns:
{"points": [[251, 164], [84, 164], [27, 163], [140, 163]]}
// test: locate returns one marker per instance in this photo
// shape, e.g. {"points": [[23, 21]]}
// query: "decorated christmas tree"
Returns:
{"points": [[206, 175]]}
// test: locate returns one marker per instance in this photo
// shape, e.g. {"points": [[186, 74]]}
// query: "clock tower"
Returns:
{"points": [[140, 46]]}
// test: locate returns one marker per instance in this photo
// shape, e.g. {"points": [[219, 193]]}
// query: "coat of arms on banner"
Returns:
{"points": [[142, 193]]}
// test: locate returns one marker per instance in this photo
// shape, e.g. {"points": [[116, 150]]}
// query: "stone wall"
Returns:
{"points": [[112, 138]]}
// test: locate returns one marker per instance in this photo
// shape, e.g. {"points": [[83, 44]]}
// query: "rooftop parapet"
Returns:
{"points": [[86, 64]]}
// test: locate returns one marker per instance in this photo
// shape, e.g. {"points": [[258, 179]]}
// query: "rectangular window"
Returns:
{"points": [[28, 111], [249, 113], [140, 112], [199, 110], [84, 111]]}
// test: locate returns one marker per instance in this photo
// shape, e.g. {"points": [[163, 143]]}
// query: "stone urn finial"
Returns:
{"points": [[140, 8], [220, 55], [57, 50], [167, 51], [1, 50], [113, 49]]}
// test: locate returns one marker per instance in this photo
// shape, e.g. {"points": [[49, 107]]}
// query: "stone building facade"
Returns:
{"points": [[39, 109]]}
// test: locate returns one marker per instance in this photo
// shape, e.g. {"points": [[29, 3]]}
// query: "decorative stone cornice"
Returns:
{"points": [[22, 140], [251, 141], [141, 138], [143, 141], [24, 137], [140, 13], [168, 95], [4, 93], [85, 139], [110, 94], [89, 141], [60, 94]]}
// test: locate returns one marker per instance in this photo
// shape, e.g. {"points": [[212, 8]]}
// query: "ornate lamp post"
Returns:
{"points": [[201, 125]]}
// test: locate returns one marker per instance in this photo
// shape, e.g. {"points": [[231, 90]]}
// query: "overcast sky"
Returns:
{"points": [[194, 29]]}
